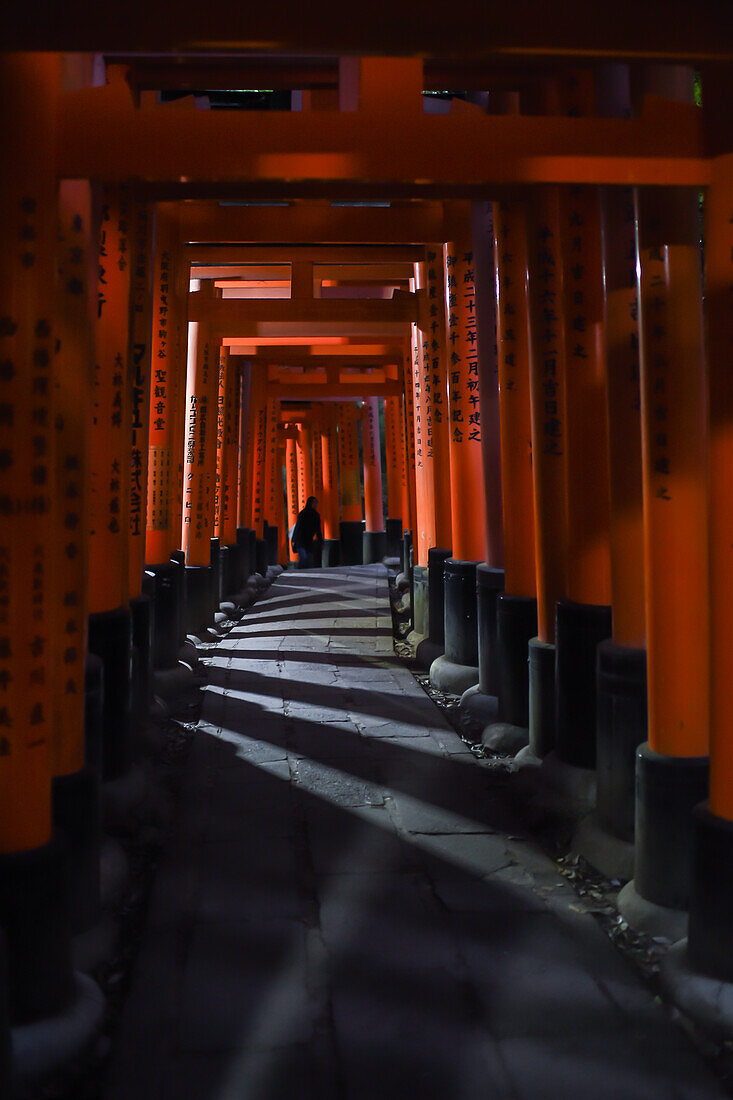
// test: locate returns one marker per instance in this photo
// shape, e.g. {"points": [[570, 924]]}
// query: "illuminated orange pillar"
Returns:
{"points": [[244, 463], [350, 486], [466, 463], [711, 908], [258, 435], [305, 468], [349, 483], [29, 613], [291, 475], [373, 508], [229, 507], [110, 440], [273, 480], [202, 390], [409, 429], [110, 622], [392, 454], [375, 541], [424, 523], [621, 684], [221, 447], [162, 535], [142, 226], [516, 608], [434, 394], [547, 408], [673, 418], [330, 513], [72, 416], [200, 427], [33, 905]]}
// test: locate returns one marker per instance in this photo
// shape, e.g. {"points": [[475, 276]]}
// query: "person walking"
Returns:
{"points": [[307, 533]]}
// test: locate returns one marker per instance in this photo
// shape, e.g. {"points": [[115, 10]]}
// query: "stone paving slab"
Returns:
{"points": [[348, 908]]}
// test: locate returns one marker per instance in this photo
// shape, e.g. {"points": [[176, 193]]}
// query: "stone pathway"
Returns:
{"points": [[348, 909]]}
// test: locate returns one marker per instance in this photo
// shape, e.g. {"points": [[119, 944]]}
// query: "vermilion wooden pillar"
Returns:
{"points": [[398, 498], [435, 394], [273, 481], [516, 610], [110, 622], [673, 417], [142, 224], [459, 668], [244, 492], [621, 685], [166, 401], [223, 375], [330, 514], [228, 533], [202, 389], [258, 435], [303, 447], [375, 544], [291, 482], [711, 902], [424, 531], [33, 899], [162, 536], [466, 464], [547, 407], [350, 528], [583, 615], [409, 429]]}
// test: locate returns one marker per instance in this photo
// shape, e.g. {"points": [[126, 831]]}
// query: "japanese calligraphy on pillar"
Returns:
{"points": [[273, 477], [417, 397], [72, 406], [655, 294], [435, 375], [140, 324], [160, 453], [26, 495], [231, 450], [220, 437], [260, 442], [463, 382], [547, 320], [110, 439]]}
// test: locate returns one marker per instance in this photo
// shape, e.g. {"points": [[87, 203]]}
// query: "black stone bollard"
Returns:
{"points": [[394, 538], [711, 895], [76, 817], [667, 790], [579, 629], [110, 639], [261, 557], [331, 552], [542, 708], [374, 546], [141, 609], [620, 728], [461, 620], [243, 561], [93, 710], [516, 623], [215, 566], [34, 912], [199, 596], [437, 557], [489, 583], [271, 535], [420, 600], [407, 555], [352, 548], [167, 600]]}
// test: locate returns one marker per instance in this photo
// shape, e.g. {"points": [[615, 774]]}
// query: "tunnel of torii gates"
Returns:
{"points": [[491, 332]]}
